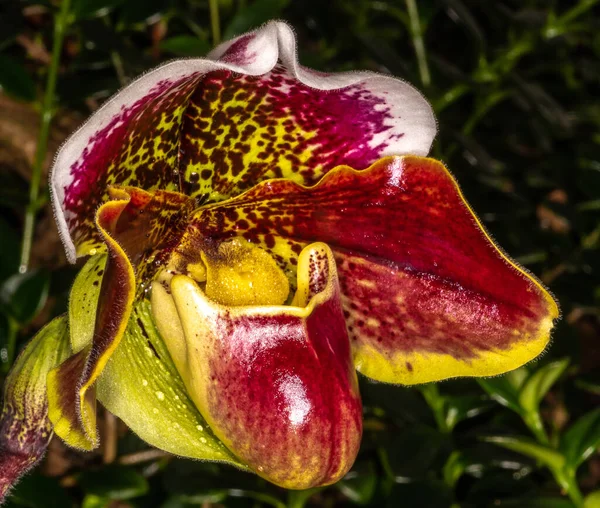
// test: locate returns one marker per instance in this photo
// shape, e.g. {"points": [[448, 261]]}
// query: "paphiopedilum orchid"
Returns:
{"points": [[257, 232]]}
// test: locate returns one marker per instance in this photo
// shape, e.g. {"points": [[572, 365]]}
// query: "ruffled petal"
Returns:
{"points": [[275, 383], [25, 430], [71, 396], [214, 127], [427, 294], [133, 224]]}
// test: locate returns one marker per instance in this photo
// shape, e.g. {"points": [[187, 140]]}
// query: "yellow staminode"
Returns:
{"points": [[239, 273]]}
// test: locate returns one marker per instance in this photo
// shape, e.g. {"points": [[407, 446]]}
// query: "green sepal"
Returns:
{"points": [[83, 302], [25, 430], [141, 385]]}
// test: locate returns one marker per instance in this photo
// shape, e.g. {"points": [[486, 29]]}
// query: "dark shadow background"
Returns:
{"points": [[515, 87]]}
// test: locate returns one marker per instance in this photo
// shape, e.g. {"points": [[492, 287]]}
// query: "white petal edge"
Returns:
{"points": [[410, 112]]}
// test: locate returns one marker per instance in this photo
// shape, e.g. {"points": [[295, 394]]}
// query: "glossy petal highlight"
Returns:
{"points": [[236, 118], [257, 374], [427, 295]]}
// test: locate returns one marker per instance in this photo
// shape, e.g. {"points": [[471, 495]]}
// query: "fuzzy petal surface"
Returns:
{"points": [[213, 127]]}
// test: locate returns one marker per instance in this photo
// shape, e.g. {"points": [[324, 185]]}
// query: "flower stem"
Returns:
{"points": [[566, 479], [417, 39], [215, 24], [60, 27]]}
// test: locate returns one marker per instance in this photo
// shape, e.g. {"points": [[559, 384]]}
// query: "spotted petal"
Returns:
{"points": [[211, 128], [275, 383], [427, 294]]}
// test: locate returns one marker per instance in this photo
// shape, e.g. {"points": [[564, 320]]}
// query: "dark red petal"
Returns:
{"points": [[276, 384], [426, 293]]}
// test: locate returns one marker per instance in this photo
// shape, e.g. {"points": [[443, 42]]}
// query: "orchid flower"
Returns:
{"points": [[256, 233]]}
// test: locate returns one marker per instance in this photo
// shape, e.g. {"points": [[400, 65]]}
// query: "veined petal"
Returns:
{"points": [[214, 127], [25, 430], [427, 294], [141, 386], [275, 383]]}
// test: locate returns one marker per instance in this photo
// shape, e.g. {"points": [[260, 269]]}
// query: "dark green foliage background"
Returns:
{"points": [[515, 87]]}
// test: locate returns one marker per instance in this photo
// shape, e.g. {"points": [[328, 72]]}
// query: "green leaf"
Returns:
{"points": [[502, 390], [93, 501], [186, 501], [582, 439], [15, 80], [359, 484], [407, 456], [454, 468], [499, 484], [113, 482], [185, 45], [537, 385], [25, 294], [546, 455], [461, 407], [254, 15], [299, 498]]}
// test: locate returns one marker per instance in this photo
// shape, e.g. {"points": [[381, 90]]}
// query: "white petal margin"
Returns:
{"points": [[254, 53]]}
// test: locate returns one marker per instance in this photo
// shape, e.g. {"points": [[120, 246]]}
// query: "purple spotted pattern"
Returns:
{"points": [[216, 136]]}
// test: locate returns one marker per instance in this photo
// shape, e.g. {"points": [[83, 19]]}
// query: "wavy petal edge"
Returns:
{"points": [[254, 53]]}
